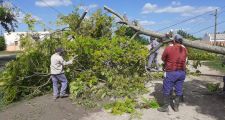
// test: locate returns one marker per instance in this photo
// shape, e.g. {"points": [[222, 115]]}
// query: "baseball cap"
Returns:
{"points": [[59, 50], [178, 38]]}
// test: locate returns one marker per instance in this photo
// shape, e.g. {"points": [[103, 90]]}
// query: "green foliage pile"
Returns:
{"points": [[19, 79], [109, 68], [103, 68], [122, 106], [106, 66], [2, 43]]}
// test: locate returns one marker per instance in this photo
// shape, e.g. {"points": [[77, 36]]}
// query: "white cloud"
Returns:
{"points": [[53, 3], [148, 8], [185, 10], [91, 6], [146, 23], [176, 3]]}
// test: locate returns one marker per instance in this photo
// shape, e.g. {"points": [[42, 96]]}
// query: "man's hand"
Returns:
{"points": [[70, 61]]}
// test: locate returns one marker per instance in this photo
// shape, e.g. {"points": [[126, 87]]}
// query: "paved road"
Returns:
{"points": [[6, 58]]}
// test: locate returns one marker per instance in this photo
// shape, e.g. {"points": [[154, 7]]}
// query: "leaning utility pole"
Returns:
{"points": [[215, 27], [186, 42]]}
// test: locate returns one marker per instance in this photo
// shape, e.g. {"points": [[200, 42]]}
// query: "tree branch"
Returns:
{"points": [[134, 35], [111, 11]]}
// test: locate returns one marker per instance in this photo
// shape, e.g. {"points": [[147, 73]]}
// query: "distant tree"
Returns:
{"points": [[8, 18], [187, 35]]}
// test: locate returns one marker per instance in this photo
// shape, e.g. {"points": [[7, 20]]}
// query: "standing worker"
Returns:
{"points": [[57, 73], [174, 58], [153, 56]]}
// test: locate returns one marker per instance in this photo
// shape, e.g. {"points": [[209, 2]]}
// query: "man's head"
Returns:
{"points": [[60, 51], [178, 39]]}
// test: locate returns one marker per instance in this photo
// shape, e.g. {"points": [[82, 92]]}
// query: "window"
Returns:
{"points": [[16, 43]]}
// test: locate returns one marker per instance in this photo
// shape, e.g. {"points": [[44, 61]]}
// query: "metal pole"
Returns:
{"points": [[215, 28]]}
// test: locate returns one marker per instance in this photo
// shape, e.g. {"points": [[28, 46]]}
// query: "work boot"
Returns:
{"points": [[55, 97], [166, 102], [182, 99], [176, 103], [64, 95]]}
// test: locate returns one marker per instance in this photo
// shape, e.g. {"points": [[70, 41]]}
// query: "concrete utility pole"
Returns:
{"points": [[215, 27], [186, 42]]}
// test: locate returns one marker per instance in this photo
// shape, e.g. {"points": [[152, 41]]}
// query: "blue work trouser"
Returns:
{"points": [[64, 82], [153, 58], [174, 79]]}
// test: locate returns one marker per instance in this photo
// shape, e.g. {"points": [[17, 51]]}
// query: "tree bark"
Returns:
{"points": [[186, 42]]}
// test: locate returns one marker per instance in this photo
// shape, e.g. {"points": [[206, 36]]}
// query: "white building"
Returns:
{"points": [[12, 39], [209, 38]]}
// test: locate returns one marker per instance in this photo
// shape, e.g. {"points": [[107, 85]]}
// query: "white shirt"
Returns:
{"points": [[57, 63]]}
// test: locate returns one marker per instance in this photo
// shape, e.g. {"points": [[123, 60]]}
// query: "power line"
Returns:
{"points": [[56, 10], [207, 28], [183, 21]]}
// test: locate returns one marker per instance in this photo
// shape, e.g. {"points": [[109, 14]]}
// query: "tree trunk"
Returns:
{"points": [[186, 42]]}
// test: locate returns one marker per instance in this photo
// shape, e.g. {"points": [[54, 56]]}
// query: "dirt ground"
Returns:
{"points": [[198, 104]]}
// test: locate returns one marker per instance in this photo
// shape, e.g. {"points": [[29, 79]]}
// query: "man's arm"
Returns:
{"points": [[68, 62], [164, 57], [63, 62]]}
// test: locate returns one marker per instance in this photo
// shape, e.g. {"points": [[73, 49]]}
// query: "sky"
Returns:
{"points": [[152, 14]]}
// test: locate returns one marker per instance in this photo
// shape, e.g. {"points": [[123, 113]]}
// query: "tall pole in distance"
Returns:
{"points": [[215, 27]]}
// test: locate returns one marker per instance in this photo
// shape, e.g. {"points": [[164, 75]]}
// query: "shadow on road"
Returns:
{"points": [[196, 94]]}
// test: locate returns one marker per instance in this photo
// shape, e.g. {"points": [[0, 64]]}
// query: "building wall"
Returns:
{"points": [[218, 43], [206, 37], [210, 37], [12, 39]]}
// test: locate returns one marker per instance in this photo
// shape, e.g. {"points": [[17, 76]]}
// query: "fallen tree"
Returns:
{"points": [[186, 42]]}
